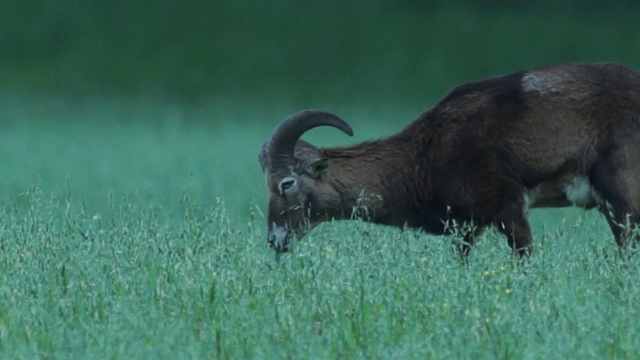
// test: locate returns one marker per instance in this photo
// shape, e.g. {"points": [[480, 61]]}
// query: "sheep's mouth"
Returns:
{"points": [[280, 239], [281, 246]]}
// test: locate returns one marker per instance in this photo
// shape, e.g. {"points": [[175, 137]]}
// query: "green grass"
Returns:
{"points": [[137, 231]]}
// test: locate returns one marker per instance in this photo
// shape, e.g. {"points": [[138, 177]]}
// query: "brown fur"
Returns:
{"points": [[479, 150]]}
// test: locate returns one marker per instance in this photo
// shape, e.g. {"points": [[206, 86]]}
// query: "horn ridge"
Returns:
{"points": [[286, 134]]}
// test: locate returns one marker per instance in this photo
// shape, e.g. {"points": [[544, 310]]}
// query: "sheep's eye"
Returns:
{"points": [[286, 185]]}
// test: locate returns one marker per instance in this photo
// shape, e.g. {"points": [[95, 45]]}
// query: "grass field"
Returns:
{"points": [[137, 231]]}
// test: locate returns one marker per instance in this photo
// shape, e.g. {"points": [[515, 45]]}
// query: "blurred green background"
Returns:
{"points": [[351, 51], [152, 100]]}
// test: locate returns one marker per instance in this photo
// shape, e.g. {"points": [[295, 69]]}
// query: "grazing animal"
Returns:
{"points": [[554, 136]]}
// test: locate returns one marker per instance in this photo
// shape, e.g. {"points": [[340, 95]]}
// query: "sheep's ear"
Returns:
{"points": [[315, 168]]}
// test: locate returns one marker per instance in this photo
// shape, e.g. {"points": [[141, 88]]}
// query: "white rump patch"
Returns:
{"points": [[572, 191], [581, 193], [527, 203]]}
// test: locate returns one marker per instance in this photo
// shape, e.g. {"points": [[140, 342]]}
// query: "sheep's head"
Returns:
{"points": [[299, 195]]}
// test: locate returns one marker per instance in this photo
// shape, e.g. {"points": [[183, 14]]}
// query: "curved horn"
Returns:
{"points": [[286, 134]]}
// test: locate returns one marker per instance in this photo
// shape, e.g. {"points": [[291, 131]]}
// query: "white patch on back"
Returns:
{"points": [[542, 82]]}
